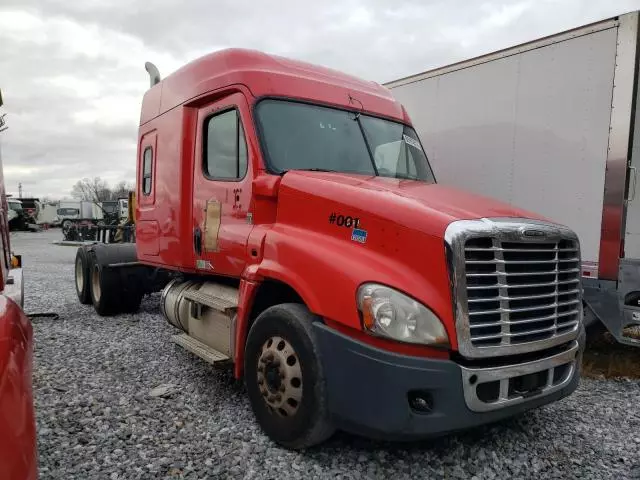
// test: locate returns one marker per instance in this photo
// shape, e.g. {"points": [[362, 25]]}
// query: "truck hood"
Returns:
{"points": [[416, 205]]}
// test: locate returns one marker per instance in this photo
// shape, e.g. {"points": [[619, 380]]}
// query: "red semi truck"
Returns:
{"points": [[18, 452], [290, 217]]}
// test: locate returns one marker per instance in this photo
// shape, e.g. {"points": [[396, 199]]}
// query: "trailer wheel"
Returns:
{"points": [[82, 274], [285, 378], [104, 290]]}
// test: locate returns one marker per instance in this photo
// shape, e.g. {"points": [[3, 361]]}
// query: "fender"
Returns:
{"points": [[334, 269], [114, 253]]}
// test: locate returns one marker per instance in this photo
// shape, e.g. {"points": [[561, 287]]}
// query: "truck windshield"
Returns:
{"points": [[15, 206], [67, 211], [300, 136]]}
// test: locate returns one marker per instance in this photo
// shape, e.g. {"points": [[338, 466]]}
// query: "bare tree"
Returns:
{"points": [[121, 190], [98, 190], [91, 189], [47, 199]]}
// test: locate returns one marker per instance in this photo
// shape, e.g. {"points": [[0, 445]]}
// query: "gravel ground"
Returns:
{"points": [[96, 419]]}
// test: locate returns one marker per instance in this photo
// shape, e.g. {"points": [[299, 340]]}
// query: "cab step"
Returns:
{"points": [[203, 351], [219, 303]]}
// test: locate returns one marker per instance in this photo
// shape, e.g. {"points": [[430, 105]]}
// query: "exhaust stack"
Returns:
{"points": [[154, 73]]}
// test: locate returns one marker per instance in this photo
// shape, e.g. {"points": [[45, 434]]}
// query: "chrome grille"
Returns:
{"points": [[521, 292], [516, 285]]}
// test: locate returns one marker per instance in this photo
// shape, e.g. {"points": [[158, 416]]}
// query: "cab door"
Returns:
{"points": [[222, 188]]}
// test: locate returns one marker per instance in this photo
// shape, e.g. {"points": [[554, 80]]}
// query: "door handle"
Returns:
{"points": [[197, 241]]}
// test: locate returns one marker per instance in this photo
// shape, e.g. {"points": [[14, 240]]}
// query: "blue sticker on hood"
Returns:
{"points": [[359, 235]]}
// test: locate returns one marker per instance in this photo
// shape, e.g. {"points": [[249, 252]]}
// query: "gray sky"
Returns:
{"points": [[72, 72]]}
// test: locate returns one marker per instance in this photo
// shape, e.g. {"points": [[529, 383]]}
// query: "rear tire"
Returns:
{"points": [[131, 303], [104, 290], [285, 378], [82, 274]]}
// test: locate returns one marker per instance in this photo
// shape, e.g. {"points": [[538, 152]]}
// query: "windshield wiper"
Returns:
{"points": [[366, 142]]}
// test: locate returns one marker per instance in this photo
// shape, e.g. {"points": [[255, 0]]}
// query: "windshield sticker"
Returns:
{"points": [[411, 141], [359, 235]]}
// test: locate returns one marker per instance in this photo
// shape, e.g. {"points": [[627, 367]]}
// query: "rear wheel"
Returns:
{"points": [[131, 303], [82, 274], [285, 379], [104, 290], [66, 225]]}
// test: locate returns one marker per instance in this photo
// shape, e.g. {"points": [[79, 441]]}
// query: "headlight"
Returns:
{"points": [[389, 313]]}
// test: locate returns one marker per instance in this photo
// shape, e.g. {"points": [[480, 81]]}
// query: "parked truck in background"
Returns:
{"points": [[290, 217], [18, 452], [550, 126]]}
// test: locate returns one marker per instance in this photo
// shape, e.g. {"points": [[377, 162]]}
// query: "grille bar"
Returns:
{"points": [[544, 306], [521, 262], [524, 297], [523, 285], [519, 250], [520, 322], [528, 332], [520, 274]]}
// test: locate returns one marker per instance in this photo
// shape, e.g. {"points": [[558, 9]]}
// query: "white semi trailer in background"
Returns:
{"points": [[550, 126]]}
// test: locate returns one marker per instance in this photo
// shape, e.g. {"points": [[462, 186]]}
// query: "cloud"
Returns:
{"points": [[72, 73]]}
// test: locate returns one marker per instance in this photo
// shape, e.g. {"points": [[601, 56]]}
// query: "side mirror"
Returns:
{"points": [[266, 185]]}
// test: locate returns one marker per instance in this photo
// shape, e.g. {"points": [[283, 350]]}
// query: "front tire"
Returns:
{"points": [[285, 378], [82, 274]]}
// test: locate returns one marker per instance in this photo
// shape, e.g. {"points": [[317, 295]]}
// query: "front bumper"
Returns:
{"points": [[369, 388]]}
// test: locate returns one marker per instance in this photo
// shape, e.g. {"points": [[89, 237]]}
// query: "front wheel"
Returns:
{"points": [[285, 379]]}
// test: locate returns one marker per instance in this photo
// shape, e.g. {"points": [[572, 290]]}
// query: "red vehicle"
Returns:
{"points": [[291, 218], [18, 452]]}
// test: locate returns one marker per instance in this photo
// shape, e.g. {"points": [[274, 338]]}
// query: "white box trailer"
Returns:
{"points": [[550, 126], [48, 214], [74, 210]]}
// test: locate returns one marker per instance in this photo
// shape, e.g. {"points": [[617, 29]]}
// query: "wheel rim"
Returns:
{"points": [[280, 377], [79, 275], [95, 283]]}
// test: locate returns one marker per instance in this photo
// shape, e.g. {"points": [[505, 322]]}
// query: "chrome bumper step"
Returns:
{"points": [[198, 348]]}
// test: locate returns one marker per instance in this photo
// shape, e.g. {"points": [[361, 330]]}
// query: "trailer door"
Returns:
{"points": [[632, 224]]}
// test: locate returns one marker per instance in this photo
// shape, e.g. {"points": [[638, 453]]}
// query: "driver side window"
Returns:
{"points": [[225, 147]]}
